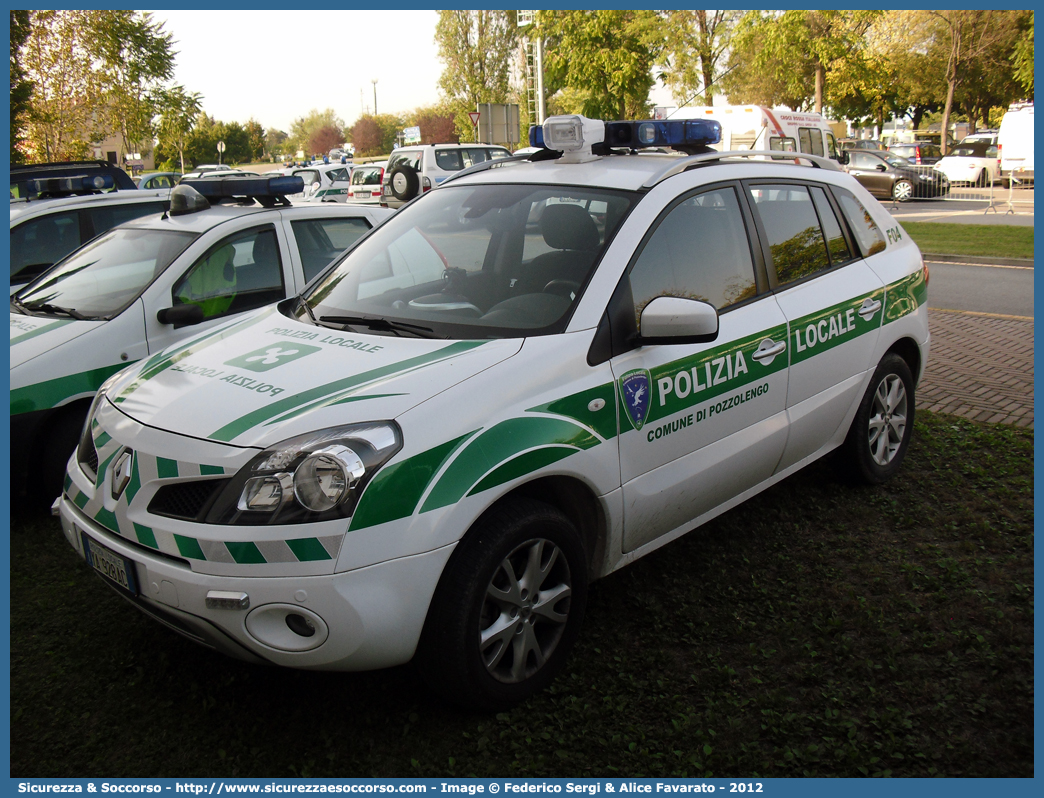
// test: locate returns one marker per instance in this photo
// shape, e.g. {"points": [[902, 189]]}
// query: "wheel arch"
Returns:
{"points": [[908, 350]]}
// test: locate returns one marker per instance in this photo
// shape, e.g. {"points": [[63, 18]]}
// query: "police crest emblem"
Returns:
{"points": [[634, 390]]}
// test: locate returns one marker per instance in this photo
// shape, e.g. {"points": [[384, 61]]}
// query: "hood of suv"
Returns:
{"points": [[257, 381]]}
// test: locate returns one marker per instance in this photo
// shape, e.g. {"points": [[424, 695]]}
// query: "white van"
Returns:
{"points": [[1016, 143], [755, 127]]}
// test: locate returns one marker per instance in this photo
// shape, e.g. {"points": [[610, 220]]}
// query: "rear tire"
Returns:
{"points": [[883, 425], [508, 608]]}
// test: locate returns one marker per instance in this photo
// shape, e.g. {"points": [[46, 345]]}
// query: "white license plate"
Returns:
{"points": [[110, 564], [362, 193]]}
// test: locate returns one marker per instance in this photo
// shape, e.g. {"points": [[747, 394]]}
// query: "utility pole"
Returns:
{"points": [[374, 82]]}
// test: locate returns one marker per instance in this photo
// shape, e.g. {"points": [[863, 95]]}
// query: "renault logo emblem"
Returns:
{"points": [[121, 473]]}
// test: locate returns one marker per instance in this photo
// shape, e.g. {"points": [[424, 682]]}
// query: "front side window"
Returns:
{"points": [[240, 272], [39, 243], [321, 240], [109, 273], [811, 140], [477, 261], [698, 251], [791, 225]]}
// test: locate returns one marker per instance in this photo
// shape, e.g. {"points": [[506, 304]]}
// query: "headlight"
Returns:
{"points": [[313, 477]]}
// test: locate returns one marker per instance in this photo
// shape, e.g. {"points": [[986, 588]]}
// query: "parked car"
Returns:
{"points": [[888, 176], [148, 283], [156, 180], [921, 153], [1015, 142], [975, 162], [435, 447], [989, 136], [43, 231], [413, 170], [861, 144], [324, 182], [365, 185], [22, 174]]}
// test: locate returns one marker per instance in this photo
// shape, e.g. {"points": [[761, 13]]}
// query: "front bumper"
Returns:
{"points": [[361, 619]]}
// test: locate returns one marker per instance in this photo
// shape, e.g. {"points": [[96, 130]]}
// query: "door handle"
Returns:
{"points": [[869, 308], [768, 349]]}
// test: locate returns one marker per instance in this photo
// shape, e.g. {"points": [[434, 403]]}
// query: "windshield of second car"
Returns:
{"points": [[476, 262], [896, 160], [106, 275]]}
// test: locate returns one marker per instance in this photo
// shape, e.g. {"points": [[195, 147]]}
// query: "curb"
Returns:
{"points": [[934, 258]]}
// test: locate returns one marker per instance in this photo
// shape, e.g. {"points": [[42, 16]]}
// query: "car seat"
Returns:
{"points": [[573, 236]]}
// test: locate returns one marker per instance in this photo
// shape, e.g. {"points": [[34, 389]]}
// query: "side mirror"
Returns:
{"points": [[181, 315], [672, 320]]}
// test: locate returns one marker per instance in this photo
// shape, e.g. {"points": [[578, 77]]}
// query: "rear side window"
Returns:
{"points": [[868, 234], [837, 247], [811, 140], [791, 225], [449, 160]]}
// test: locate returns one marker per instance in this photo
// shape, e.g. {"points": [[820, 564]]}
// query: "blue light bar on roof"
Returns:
{"points": [[662, 133], [70, 185], [227, 187], [536, 136]]}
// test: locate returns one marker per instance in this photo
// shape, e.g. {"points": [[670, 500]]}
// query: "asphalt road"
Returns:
{"points": [[969, 206], [1000, 290]]}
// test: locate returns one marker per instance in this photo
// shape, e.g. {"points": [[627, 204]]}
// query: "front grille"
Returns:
{"points": [[186, 500], [87, 455]]}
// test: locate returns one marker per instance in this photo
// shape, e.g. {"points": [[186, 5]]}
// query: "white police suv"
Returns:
{"points": [[528, 378], [148, 283]]}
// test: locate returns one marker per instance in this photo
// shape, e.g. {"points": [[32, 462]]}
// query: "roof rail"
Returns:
{"points": [[712, 158], [482, 167]]}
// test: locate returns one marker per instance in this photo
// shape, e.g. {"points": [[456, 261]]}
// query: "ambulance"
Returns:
{"points": [[538, 373], [755, 127]]}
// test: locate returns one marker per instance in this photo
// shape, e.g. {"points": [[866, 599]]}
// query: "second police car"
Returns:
{"points": [[145, 284], [527, 379]]}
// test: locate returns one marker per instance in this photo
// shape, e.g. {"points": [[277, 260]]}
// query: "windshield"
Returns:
{"points": [[476, 262], [105, 276]]}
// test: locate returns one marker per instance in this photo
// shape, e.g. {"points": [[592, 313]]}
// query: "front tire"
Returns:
{"points": [[883, 425], [508, 608], [902, 191]]}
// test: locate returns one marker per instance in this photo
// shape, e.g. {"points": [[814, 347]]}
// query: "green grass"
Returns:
{"points": [[819, 629], [1002, 241]]}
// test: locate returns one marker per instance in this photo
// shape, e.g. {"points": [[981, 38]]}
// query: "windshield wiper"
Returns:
{"points": [[48, 308], [303, 303], [384, 325], [20, 307]]}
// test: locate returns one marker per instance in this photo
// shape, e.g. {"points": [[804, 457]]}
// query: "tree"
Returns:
{"points": [[789, 58], [325, 139], [178, 112], [375, 135], [608, 55], [134, 57], [437, 125], [275, 141], [256, 136], [21, 86], [57, 62], [696, 44], [1022, 58], [303, 127], [477, 48]]}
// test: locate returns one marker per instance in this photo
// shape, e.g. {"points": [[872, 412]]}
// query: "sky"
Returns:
{"points": [[331, 58]]}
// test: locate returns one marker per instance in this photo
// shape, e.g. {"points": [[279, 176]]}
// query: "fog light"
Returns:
{"points": [[300, 625]]}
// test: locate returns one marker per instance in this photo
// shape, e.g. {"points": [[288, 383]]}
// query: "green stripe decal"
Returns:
{"points": [[577, 407], [50, 393], [397, 489], [100, 476], [322, 392], [905, 296], [497, 444], [165, 469], [832, 327], [189, 547], [135, 481], [169, 357], [108, 520], [207, 470], [245, 553], [146, 536], [101, 440], [68, 483], [308, 549], [40, 331], [520, 466], [80, 500]]}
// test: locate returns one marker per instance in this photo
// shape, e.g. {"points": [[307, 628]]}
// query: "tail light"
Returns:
{"points": [[425, 184], [924, 266]]}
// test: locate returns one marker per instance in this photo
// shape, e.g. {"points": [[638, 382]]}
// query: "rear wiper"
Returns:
{"points": [[383, 325], [48, 308]]}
